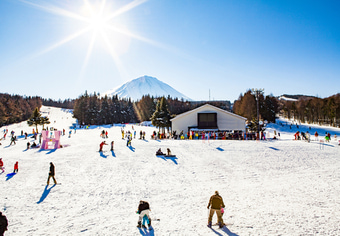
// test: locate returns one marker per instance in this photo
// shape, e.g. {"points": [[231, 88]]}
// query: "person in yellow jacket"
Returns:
{"points": [[216, 203]]}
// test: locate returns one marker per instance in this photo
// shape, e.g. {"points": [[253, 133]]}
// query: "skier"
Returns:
{"points": [[2, 165], [51, 174], [16, 167], [129, 140], [216, 203], [143, 210], [28, 145], [13, 138], [112, 143], [3, 224], [101, 145]]}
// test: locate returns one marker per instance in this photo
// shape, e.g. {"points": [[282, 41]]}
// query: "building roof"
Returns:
{"points": [[207, 106]]}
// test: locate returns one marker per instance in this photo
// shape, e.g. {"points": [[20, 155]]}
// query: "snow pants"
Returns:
{"points": [[48, 180], [142, 214], [218, 213]]}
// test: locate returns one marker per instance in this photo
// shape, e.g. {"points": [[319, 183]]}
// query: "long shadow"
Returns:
{"points": [[225, 230], [220, 149], [145, 140], [132, 148], [325, 144], [48, 151], [165, 158], [45, 193], [113, 153], [51, 151], [103, 155], [146, 232], [275, 149], [10, 176]]}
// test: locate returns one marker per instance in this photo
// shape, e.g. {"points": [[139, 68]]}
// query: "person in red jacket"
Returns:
{"points": [[1, 165], [16, 167], [101, 145]]}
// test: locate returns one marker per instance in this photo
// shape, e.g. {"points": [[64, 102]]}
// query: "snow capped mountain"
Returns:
{"points": [[135, 89]]}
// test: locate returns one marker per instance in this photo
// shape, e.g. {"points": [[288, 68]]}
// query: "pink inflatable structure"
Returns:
{"points": [[54, 139]]}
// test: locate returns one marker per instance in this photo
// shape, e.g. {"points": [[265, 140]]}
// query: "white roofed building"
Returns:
{"points": [[208, 117]]}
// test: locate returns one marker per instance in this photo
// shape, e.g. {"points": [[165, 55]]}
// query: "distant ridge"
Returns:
{"points": [[145, 85]]}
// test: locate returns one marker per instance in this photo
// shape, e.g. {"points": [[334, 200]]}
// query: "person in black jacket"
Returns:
{"points": [[143, 210], [3, 224], [51, 174]]}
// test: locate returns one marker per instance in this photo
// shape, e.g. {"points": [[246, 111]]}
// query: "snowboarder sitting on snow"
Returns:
{"points": [[3, 223], [51, 174], [216, 203], [101, 145], [34, 145], [159, 152], [16, 167], [143, 210]]}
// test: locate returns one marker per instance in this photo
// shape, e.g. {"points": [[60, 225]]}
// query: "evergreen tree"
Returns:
{"points": [[161, 117], [36, 119]]}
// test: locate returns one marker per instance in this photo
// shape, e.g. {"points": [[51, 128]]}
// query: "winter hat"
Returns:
{"points": [[216, 192]]}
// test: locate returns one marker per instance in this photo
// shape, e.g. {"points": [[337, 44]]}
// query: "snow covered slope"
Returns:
{"points": [[281, 187], [145, 85]]}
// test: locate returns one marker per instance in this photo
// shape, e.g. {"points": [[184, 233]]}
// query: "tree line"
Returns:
{"points": [[306, 109], [246, 106], [15, 108], [67, 103], [93, 109], [313, 110]]}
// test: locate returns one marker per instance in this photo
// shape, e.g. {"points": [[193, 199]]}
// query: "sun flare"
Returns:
{"points": [[98, 25]]}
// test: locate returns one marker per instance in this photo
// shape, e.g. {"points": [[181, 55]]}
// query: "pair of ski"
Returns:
{"points": [[216, 224]]}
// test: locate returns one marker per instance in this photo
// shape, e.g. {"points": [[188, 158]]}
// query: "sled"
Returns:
{"points": [[169, 155]]}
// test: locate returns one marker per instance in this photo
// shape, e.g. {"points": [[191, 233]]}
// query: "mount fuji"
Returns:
{"points": [[145, 85]]}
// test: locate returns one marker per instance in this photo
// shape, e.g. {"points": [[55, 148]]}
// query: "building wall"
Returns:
{"points": [[225, 121]]}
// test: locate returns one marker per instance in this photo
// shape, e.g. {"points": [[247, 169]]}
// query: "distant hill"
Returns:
{"points": [[145, 85]]}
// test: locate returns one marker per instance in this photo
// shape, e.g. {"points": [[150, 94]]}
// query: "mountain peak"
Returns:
{"points": [[145, 85]]}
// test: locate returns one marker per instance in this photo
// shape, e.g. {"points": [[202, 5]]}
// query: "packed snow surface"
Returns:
{"points": [[273, 187], [145, 85]]}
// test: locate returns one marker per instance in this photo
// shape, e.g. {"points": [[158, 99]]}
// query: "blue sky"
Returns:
{"points": [[60, 48]]}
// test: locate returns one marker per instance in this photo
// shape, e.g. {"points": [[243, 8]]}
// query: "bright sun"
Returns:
{"points": [[98, 20], [98, 23]]}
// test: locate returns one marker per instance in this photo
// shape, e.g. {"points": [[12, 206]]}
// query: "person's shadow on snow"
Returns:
{"points": [[113, 153], [146, 232], [45, 193], [103, 155], [132, 148], [10, 176], [225, 230]]}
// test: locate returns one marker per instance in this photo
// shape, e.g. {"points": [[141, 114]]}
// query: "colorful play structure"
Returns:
{"points": [[53, 140]]}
